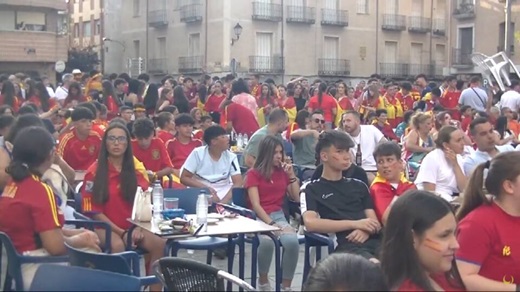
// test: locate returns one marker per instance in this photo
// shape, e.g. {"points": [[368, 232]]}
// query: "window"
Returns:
{"points": [[362, 6], [34, 21], [416, 53], [417, 7], [87, 29], [76, 30], [137, 48], [392, 7], [194, 44], [331, 48], [440, 55], [137, 8], [97, 27], [7, 20], [391, 52], [161, 48]]}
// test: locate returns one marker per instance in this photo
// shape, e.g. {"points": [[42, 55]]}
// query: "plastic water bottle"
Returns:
{"points": [[158, 197], [202, 209], [245, 140], [240, 141]]}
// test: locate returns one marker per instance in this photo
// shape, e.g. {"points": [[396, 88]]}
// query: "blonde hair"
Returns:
{"points": [[420, 118]]}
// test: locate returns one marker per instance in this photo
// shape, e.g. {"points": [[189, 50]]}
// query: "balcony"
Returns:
{"points": [[397, 70], [191, 65], [41, 47], [463, 9], [439, 27], [334, 17], [158, 18], [462, 57], [191, 13], [53, 4], [394, 22], [158, 66], [301, 14], [333, 67], [266, 64], [419, 24], [438, 71], [267, 11], [416, 69]]}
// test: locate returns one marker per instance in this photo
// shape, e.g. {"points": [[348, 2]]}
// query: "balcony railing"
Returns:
{"points": [[301, 14], [394, 22], [193, 64], [52, 4], [158, 18], [419, 24], [416, 69], [333, 67], [266, 64], [437, 71], [158, 66], [191, 13], [462, 57], [463, 9], [439, 26], [399, 70], [334, 17], [267, 11]]}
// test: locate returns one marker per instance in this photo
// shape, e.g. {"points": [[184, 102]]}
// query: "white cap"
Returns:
{"points": [[76, 71]]}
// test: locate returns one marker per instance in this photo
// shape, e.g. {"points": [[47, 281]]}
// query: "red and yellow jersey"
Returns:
{"points": [[382, 193], [165, 136], [117, 209], [79, 154], [28, 208], [154, 158], [289, 105]]}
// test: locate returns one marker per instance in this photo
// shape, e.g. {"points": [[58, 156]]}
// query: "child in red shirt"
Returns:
{"points": [[488, 258], [180, 147], [166, 123], [390, 182]]}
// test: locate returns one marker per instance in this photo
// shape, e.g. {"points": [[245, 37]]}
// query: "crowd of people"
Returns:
{"points": [[393, 171]]}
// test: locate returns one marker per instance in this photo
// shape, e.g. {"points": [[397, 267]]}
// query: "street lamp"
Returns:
{"points": [[115, 41], [238, 31]]}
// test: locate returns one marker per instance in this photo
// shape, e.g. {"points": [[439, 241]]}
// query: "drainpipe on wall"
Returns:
{"points": [[377, 37]]}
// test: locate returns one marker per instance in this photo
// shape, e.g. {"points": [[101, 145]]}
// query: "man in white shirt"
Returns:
{"points": [[213, 166], [367, 137], [63, 91], [511, 98]]}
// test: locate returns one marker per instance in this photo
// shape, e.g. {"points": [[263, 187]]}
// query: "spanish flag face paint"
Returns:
{"points": [[432, 244]]}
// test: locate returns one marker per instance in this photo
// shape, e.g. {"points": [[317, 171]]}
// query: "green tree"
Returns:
{"points": [[84, 59]]}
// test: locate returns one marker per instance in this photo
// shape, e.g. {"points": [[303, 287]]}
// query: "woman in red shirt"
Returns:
{"points": [[47, 106], [265, 102], [109, 190], [75, 96], [489, 257], [8, 96], [212, 105], [267, 183], [286, 102], [343, 99], [325, 103], [419, 244], [31, 215], [110, 99]]}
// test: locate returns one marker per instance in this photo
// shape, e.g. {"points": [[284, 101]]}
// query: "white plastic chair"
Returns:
{"points": [[498, 65]]}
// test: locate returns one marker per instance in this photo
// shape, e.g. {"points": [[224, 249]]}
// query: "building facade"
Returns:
{"points": [[34, 36], [314, 38], [86, 25]]}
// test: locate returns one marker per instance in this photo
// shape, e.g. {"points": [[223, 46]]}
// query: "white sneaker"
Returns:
{"points": [[264, 287], [286, 289]]}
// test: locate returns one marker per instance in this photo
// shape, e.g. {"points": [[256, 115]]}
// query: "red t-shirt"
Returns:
{"points": [[345, 104], [28, 208], [213, 103], [466, 121], [155, 157], [328, 103], [16, 103], [77, 153], [165, 136], [36, 100], [116, 208], [112, 107], [488, 237], [440, 279], [382, 193], [406, 101], [450, 101], [179, 152], [198, 134], [271, 192], [287, 103], [244, 121]]}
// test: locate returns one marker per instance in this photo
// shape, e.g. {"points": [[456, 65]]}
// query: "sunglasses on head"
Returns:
{"points": [[318, 121]]}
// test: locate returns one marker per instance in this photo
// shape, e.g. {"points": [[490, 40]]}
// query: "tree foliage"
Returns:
{"points": [[84, 59]]}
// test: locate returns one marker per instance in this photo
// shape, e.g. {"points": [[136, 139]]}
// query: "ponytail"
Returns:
{"points": [[321, 89], [18, 170], [474, 195]]}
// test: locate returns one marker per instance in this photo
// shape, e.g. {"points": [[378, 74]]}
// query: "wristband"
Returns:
{"points": [[292, 180], [272, 223]]}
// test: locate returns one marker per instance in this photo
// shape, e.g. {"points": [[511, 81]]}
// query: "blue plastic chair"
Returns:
{"points": [[314, 240], [66, 278], [126, 263], [239, 200], [188, 201], [15, 261]]}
